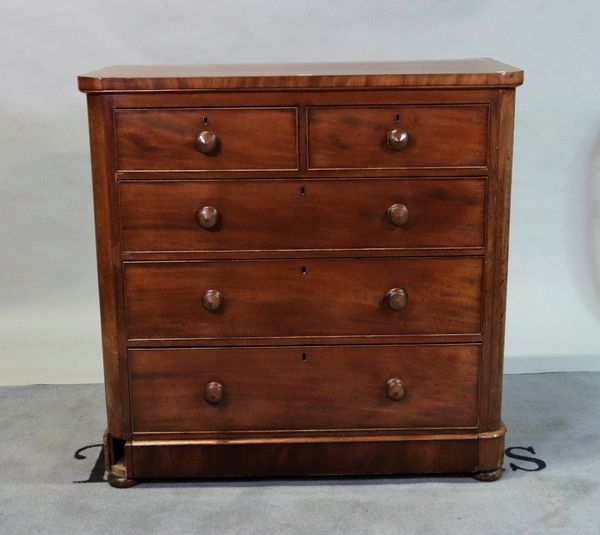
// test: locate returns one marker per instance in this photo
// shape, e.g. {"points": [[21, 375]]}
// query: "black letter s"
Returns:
{"points": [[540, 464]]}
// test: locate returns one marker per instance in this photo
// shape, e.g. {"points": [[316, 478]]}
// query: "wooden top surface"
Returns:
{"points": [[434, 73]]}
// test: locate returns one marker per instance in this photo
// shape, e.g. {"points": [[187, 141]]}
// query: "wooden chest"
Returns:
{"points": [[302, 267]]}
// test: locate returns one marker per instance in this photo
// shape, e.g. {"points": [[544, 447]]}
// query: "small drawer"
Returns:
{"points": [[289, 214], [398, 137], [295, 389], [302, 298], [206, 139]]}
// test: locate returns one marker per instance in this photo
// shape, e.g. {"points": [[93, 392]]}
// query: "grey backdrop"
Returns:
{"points": [[48, 304]]}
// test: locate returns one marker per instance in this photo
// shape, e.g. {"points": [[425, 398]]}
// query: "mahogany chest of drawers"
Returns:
{"points": [[302, 267]]}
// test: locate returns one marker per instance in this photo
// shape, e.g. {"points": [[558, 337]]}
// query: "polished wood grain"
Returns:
{"points": [[328, 339], [501, 219], [279, 388], [108, 265], [328, 456], [247, 138], [247, 215], [264, 230], [359, 96], [323, 455], [491, 453], [437, 137], [312, 297], [437, 73], [355, 98]]}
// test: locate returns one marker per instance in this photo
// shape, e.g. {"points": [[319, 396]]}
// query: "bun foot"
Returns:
{"points": [[121, 482], [492, 475]]}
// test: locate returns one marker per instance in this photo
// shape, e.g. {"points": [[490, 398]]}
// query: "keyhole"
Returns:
{"points": [[397, 117], [205, 121], [304, 357], [303, 270], [302, 191]]}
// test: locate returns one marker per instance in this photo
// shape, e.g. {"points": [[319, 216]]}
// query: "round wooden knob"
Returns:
{"points": [[212, 300], [397, 215], [394, 388], [206, 142], [214, 392], [397, 139], [397, 298], [207, 217]]}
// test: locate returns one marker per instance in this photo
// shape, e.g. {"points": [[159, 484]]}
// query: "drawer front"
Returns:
{"points": [[290, 214], [167, 139], [304, 388], [437, 137], [297, 298]]}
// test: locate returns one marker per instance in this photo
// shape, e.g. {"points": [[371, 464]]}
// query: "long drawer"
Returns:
{"points": [[343, 387], [298, 298], [288, 214]]}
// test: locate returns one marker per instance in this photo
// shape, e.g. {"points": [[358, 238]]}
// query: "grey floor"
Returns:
{"points": [[45, 487]]}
